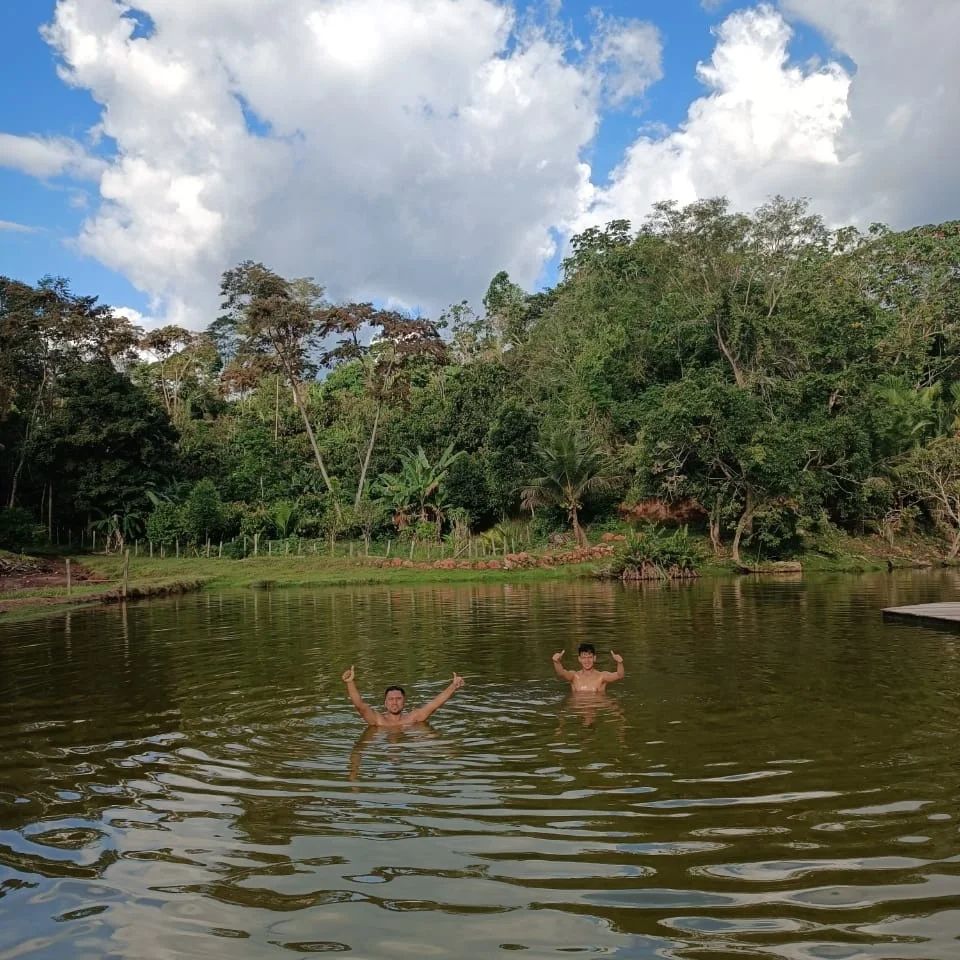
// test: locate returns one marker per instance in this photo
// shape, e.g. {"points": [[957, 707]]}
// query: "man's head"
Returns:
{"points": [[394, 699], [586, 654]]}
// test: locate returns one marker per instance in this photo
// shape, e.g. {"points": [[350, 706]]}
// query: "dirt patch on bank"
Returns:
{"points": [[30, 573]]}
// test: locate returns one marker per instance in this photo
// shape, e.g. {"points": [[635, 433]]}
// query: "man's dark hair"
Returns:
{"points": [[389, 689], [587, 648]]}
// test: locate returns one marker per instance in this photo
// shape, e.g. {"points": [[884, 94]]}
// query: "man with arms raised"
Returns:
{"points": [[394, 700], [588, 679]]}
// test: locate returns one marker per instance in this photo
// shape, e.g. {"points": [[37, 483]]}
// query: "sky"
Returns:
{"points": [[405, 151]]}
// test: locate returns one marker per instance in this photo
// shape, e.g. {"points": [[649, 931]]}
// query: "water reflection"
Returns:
{"points": [[589, 707], [394, 738], [775, 777]]}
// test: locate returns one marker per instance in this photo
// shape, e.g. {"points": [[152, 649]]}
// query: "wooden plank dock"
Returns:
{"points": [[933, 614]]}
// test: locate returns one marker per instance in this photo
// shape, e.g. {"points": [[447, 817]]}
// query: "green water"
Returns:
{"points": [[777, 776]]}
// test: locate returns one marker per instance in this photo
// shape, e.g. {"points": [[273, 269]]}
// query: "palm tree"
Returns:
{"points": [[573, 466], [283, 513], [416, 490], [119, 527]]}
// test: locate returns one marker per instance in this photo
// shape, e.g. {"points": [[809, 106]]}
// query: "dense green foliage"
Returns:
{"points": [[654, 552], [790, 379]]}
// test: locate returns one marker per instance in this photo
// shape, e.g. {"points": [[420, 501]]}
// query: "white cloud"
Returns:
{"points": [[900, 145], [12, 227], [765, 127], [47, 156], [133, 315], [630, 50], [875, 143], [407, 150]]}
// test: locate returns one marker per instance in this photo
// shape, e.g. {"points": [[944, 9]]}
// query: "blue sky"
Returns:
{"points": [[780, 106]]}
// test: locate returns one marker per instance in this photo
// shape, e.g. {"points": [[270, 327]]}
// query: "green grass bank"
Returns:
{"points": [[163, 576]]}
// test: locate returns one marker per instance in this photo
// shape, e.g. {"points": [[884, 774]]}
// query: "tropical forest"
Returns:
{"points": [[741, 387]]}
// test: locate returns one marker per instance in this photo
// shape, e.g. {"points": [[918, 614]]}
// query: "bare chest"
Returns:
{"points": [[584, 682]]}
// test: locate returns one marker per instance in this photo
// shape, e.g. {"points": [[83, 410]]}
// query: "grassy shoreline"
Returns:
{"points": [[154, 577]]}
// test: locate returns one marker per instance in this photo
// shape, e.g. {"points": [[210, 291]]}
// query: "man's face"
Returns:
{"points": [[587, 660], [393, 702]]}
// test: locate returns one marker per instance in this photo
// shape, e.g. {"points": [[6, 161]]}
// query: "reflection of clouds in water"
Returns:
{"points": [[222, 798]]}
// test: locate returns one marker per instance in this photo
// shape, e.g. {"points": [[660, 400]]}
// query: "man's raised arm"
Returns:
{"points": [[365, 711], [421, 713], [561, 671], [609, 676]]}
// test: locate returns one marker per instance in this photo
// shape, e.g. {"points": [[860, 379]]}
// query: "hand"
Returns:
{"points": [[616, 657], [557, 657], [348, 675], [457, 681]]}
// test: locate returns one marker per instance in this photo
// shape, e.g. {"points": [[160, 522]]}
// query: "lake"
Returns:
{"points": [[777, 775]]}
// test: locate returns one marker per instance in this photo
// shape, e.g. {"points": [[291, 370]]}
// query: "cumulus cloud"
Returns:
{"points": [[407, 150], [765, 126], [47, 156], [403, 150], [874, 143], [900, 144]]}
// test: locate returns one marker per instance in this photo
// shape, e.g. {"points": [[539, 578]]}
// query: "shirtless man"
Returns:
{"points": [[394, 698], [587, 679]]}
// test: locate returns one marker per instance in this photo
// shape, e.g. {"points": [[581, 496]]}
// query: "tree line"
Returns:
{"points": [[791, 380]]}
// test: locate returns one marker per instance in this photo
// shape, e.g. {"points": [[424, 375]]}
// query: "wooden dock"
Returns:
{"points": [[933, 614]]}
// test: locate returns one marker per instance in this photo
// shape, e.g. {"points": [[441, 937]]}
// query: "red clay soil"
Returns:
{"points": [[47, 573]]}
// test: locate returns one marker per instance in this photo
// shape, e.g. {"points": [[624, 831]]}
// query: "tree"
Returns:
{"points": [[165, 523], [107, 444], [933, 471], [415, 492], [728, 274], [45, 332], [386, 344], [202, 512], [507, 445], [572, 467], [183, 361], [914, 278], [279, 325], [506, 306]]}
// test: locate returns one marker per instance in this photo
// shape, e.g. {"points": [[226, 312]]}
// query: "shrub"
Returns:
{"points": [[255, 520], [654, 552], [235, 549], [16, 528], [202, 512], [165, 523]]}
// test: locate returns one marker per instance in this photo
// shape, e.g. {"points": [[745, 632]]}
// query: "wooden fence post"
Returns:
{"points": [[126, 572]]}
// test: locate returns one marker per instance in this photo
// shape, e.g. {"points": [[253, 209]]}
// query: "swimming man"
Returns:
{"points": [[587, 679], [394, 699]]}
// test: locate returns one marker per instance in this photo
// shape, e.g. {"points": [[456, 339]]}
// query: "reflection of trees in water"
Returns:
{"points": [[81, 701]]}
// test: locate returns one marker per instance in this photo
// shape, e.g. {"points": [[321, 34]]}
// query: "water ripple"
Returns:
{"points": [[213, 794]]}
